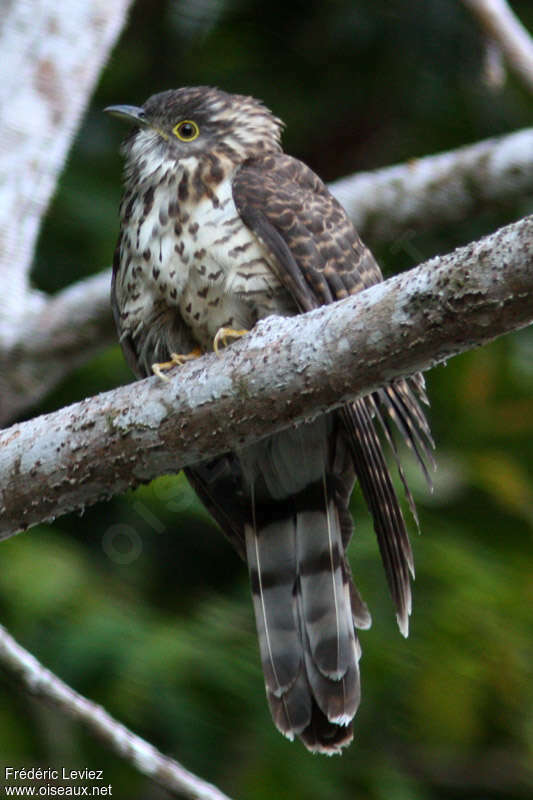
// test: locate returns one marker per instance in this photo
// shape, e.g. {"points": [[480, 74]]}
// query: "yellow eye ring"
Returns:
{"points": [[186, 130]]}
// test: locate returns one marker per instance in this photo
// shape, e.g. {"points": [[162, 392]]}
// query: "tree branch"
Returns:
{"points": [[286, 370], [436, 190], [141, 754], [66, 330], [502, 26], [64, 333], [50, 62]]}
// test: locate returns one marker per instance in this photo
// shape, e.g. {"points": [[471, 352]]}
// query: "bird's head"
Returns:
{"points": [[180, 123]]}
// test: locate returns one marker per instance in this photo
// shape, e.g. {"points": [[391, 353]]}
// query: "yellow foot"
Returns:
{"points": [[176, 359], [222, 336]]}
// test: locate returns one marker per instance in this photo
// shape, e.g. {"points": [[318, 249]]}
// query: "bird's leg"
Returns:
{"points": [[222, 336], [176, 359]]}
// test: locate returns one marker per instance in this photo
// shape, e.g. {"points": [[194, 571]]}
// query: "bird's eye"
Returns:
{"points": [[187, 130]]}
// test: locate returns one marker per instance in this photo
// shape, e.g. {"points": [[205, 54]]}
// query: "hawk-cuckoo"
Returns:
{"points": [[219, 228]]}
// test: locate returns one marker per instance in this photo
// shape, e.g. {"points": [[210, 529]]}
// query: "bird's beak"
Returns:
{"points": [[128, 113]]}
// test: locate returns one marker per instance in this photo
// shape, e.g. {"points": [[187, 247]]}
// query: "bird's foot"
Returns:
{"points": [[176, 360], [222, 336]]}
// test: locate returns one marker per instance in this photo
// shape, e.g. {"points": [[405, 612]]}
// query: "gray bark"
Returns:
{"points": [[52, 56], [286, 370], [52, 336], [139, 753]]}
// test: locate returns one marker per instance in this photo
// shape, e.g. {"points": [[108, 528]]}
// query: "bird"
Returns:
{"points": [[220, 228]]}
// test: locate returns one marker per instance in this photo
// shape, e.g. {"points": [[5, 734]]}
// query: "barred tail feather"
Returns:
{"points": [[272, 566], [302, 600]]}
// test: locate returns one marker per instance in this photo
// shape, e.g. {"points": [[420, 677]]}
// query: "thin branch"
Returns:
{"points": [[64, 333], [494, 71], [286, 370], [141, 754], [436, 190], [384, 204], [502, 26]]}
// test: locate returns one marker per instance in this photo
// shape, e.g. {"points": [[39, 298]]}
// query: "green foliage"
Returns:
{"points": [[142, 605]]}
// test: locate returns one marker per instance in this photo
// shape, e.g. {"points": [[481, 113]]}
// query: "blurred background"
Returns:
{"points": [[140, 603]]}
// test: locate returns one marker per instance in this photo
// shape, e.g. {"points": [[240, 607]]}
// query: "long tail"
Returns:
{"points": [[303, 594]]}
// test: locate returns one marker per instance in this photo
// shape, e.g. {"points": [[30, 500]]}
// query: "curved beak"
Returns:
{"points": [[128, 114]]}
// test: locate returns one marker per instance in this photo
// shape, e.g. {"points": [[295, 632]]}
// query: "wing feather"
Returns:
{"points": [[318, 257]]}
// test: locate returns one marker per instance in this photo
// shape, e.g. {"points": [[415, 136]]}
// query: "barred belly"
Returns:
{"points": [[196, 260], [230, 282]]}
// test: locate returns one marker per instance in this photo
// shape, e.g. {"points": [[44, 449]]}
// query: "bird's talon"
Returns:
{"points": [[176, 360], [222, 336], [157, 369]]}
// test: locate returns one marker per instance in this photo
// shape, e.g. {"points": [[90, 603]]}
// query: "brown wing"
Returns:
{"points": [[320, 259], [320, 256]]}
